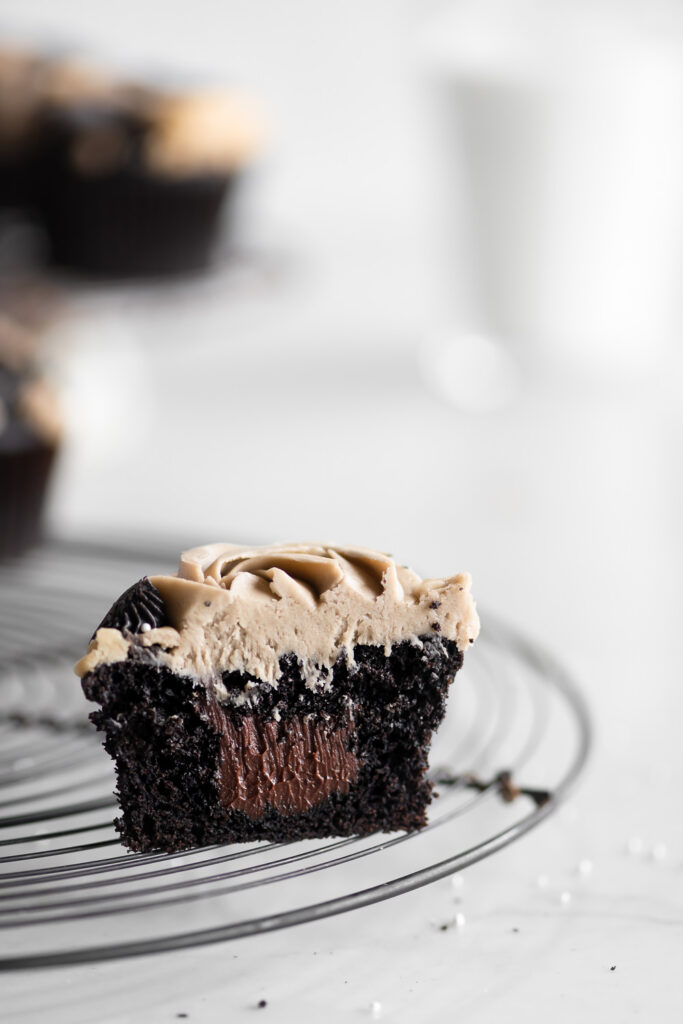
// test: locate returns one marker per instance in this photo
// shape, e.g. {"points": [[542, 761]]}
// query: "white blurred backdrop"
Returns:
{"points": [[451, 330]]}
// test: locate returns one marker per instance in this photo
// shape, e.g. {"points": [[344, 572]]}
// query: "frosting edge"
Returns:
{"points": [[233, 608]]}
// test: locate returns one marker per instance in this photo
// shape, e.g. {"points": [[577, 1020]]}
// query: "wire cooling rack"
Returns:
{"points": [[69, 891]]}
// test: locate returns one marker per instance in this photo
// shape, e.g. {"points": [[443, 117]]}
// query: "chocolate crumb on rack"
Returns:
{"points": [[503, 782]]}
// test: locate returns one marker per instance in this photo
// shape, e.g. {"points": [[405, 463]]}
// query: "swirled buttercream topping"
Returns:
{"points": [[234, 608]]}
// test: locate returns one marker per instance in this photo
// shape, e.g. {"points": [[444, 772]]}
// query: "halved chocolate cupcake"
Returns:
{"points": [[276, 693]]}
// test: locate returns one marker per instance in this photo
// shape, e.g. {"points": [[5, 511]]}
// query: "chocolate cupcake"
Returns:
{"points": [[22, 76], [30, 431], [282, 692], [137, 179]]}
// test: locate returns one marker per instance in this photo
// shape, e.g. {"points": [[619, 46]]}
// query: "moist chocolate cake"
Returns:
{"points": [[281, 692]]}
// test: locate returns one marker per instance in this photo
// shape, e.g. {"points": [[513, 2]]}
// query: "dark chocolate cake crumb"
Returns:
{"points": [[613, 967], [262, 1004], [503, 781], [159, 729], [140, 605], [509, 790]]}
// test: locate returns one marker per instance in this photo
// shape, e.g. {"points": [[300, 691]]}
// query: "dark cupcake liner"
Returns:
{"points": [[24, 478], [132, 224], [20, 181]]}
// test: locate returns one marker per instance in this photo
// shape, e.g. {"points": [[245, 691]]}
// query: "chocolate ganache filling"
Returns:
{"points": [[289, 766]]}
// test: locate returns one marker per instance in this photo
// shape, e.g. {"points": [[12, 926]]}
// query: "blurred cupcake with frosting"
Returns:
{"points": [[139, 180], [30, 436], [22, 78]]}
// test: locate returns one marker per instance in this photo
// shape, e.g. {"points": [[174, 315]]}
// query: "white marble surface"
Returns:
{"points": [[284, 399]]}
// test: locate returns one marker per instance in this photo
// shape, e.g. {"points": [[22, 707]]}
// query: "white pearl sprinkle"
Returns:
{"points": [[376, 1010], [635, 846], [145, 627], [460, 921], [585, 867], [542, 881], [565, 898], [457, 881], [659, 851]]}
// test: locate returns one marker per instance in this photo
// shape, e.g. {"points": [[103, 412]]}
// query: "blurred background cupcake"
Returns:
{"points": [[136, 181], [30, 435], [22, 78], [127, 179]]}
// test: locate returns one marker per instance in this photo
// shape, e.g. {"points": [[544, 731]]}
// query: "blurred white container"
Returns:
{"points": [[560, 128]]}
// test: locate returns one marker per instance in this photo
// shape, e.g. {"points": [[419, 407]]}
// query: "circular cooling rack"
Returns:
{"points": [[69, 891]]}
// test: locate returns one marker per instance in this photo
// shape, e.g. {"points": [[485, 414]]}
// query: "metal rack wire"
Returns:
{"points": [[70, 893]]}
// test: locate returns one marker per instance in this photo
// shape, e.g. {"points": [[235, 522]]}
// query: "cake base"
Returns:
{"points": [[131, 225], [176, 789]]}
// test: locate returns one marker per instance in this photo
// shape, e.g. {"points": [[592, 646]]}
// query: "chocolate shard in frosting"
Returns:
{"points": [[139, 608]]}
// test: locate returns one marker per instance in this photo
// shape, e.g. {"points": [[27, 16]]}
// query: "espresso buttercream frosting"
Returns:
{"points": [[235, 608]]}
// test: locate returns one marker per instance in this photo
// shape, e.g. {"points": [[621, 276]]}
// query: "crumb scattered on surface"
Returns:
{"points": [[509, 790], [613, 967], [516, 930], [262, 1003]]}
